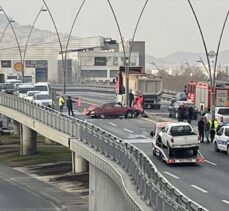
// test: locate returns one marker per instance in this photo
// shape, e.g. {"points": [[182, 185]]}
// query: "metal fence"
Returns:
{"points": [[154, 188]]}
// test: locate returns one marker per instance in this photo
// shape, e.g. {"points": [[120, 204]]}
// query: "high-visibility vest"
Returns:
{"points": [[61, 101]]}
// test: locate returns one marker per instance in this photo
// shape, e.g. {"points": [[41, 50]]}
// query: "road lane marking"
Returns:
{"points": [[172, 175], [207, 161], [225, 201], [130, 131], [112, 123], [199, 188]]}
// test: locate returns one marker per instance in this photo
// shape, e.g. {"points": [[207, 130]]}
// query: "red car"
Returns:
{"points": [[110, 110]]}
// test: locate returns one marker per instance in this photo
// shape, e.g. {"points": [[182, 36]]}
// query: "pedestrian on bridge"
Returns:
{"points": [[69, 106], [61, 103]]}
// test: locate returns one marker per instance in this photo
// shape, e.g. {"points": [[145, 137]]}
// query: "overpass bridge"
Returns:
{"points": [[122, 177]]}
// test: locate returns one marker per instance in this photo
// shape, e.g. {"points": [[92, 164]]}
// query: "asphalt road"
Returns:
{"points": [[206, 184]]}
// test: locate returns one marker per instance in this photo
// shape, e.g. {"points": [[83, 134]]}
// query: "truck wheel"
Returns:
{"points": [[154, 151], [227, 150], [170, 115], [160, 157], [195, 151], [216, 147]]}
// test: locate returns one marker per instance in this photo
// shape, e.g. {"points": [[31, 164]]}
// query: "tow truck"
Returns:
{"points": [[180, 156]]}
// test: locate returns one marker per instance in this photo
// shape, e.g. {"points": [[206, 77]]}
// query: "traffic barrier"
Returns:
{"points": [[157, 192]]}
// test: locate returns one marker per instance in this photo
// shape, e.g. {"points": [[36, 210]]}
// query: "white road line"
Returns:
{"points": [[207, 161], [112, 123], [172, 175], [225, 201], [128, 130], [200, 189]]}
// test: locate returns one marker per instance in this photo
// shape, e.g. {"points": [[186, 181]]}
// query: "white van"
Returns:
{"points": [[43, 88], [23, 89]]}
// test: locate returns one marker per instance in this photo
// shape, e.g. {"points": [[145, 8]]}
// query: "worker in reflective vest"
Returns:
{"points": [[213, 128], [61, 103]]}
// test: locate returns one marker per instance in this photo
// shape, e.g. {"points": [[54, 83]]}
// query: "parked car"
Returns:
{"points": [[8, 88], [221, 141], [180, 96], [178, 137], [173, 109], [110, 110], [43, 99], [30, 95]]}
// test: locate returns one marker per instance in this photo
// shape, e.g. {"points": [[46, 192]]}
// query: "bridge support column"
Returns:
{"points": [[79, 164], [29, 141], [16, 127], [104, 194]]}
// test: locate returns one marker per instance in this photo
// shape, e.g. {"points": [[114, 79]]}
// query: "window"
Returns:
{"points": [[223, 111], [227, 132], [220, 133], [100, 61], [181, 130]]}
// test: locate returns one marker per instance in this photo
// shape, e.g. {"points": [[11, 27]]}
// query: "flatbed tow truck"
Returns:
{"points": [[184, 156]]}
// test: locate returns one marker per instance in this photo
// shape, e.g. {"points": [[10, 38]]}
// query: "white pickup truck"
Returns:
{"points": [[179, 137]]}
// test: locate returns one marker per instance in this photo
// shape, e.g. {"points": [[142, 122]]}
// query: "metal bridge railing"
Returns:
{"points": [[154, 188]]}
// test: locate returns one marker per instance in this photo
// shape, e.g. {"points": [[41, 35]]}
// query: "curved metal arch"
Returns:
{"points": [[73, 24], [30, 32], [61, 47], [6, 27]]}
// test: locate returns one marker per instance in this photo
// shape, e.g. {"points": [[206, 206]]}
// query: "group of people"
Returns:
{"points": [[61, 103], [182, 111], [207, 128]]}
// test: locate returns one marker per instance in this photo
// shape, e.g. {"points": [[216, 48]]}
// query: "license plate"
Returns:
{"points": [[185, 160]]}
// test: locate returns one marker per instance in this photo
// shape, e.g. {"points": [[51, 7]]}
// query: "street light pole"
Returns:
{"points": [[69, 36], [27, 41], [15, 35], [209, 55], [127, 60], [61, 48]]}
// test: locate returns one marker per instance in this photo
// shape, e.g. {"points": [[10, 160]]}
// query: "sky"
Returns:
{"points": [[167, 26]]}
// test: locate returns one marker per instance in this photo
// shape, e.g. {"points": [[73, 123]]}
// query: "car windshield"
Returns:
{"points": [[223, 111], [181, 130], [42, 97], [41, 88], [31, 94], [24, 90]]}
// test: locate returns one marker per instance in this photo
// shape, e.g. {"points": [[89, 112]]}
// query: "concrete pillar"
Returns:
{"points": [[104, 194], [29, 141], [16, 127], [79, 164]]}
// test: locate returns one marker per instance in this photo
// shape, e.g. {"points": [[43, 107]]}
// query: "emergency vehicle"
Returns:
{"points": [[184, 155], [200, 94], [221, 141]]}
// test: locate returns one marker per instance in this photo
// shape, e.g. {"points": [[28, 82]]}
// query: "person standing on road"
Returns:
{"points": [[69, 106], [201, 129], [207, 127], [213, 129], [189, 114], [131, 97], [61, 103], [181, 113]]}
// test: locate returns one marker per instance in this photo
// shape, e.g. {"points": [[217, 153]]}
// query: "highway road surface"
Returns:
{"points": [[207, 183]]}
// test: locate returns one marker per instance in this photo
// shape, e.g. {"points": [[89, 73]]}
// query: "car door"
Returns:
{"points": [[118, 110], [226, 139], [219, 138]]}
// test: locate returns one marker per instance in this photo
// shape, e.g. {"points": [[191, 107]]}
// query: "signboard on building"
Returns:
{"points": [[36, 63], [18, 66], [6, 63], [100, 61]]}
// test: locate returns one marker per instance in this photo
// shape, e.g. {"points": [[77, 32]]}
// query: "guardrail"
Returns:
{"points": [[166, 95], [157, 192]]}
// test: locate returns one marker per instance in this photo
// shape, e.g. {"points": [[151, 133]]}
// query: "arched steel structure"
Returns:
{"points": [[131, 47]]}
